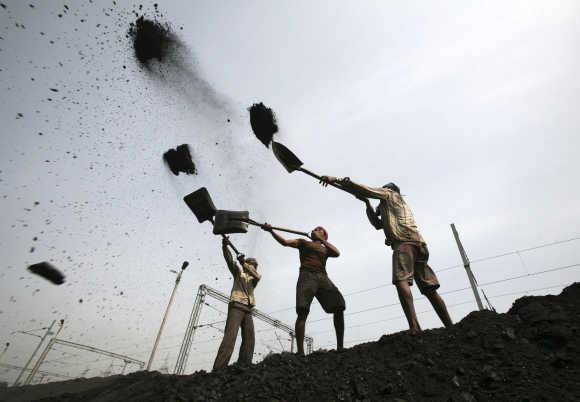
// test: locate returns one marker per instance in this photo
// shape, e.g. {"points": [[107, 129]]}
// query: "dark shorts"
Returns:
{"points": [[410, 262], [314, 284]]}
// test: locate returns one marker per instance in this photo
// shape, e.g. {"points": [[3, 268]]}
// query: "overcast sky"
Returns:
{"points": [[470, 107]]}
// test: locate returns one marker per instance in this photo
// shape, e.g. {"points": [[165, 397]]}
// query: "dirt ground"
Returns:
{"points": [[528, 354]]}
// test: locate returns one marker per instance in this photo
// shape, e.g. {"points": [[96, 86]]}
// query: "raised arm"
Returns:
{"points": [[374, 218], [294, 243], [256, 276], [228, 257], [356, 189], [332, 250]]}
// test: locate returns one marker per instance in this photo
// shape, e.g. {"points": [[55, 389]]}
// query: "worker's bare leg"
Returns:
{"points": [[406, 299], [339, 328], [439, 306], [300, 329]]}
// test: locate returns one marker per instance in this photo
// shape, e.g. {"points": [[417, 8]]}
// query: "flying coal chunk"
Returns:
{"points": [[152, 40], [179, 160], [48, 272], [263, 122]]}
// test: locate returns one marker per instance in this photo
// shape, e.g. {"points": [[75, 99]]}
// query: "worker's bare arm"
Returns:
{"points": [[372, 215], [253, 272], [356, 189], [332, 250], [294, 243]]}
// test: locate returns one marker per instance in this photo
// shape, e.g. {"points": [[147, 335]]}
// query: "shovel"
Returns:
{"points": [[224, 222], [203, 208], [230, 221], [292, 163]]}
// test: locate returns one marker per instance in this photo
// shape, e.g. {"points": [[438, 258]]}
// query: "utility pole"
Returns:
{"points": [[25, 368], [183, 266], [467, 267], [43, 355], [190, 330]]}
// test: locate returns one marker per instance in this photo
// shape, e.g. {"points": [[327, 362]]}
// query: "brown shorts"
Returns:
{"points": [[410, 262], [317, 284]]}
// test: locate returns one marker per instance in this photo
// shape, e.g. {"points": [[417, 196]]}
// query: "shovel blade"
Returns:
{"points": [[227, 222], [286, 157], [201, 204]]}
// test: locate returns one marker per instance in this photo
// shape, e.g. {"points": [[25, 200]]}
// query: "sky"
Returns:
{"points": [[470, 107]]}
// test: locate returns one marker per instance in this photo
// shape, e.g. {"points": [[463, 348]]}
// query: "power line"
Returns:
{"points": [[532, 274], [455, 266], [215, 308], [530, 290], [421, 312], [526, 249], [388, 305], [451, 305], [444, 269], [492, 257], [421, 298], [455, 290], [13, 367]]}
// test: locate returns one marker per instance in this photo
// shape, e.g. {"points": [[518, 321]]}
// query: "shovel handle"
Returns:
{"points": [[251, 222], [229, 241], [232, 245], [309, 173]]}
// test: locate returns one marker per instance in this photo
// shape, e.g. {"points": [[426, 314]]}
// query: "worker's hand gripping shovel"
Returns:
{"points": [[291, 163], [229, 221], [203, 208]]}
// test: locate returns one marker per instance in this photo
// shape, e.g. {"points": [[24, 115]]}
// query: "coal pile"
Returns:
{"points": [[263, 122], [179, 160], [48, 272], [529, 354]]}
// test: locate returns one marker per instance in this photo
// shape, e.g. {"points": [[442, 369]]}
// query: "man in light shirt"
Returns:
{"points": [[410, 253], [242, 301]]}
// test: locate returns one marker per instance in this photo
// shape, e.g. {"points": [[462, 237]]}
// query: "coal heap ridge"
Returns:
{"points": [[530, 353]]}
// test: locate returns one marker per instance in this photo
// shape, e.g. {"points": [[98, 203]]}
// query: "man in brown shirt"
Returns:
{"points": [[313, 282], [242, 302], [410, 253]]}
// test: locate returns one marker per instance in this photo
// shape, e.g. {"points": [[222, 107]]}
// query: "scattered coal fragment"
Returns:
{"points": [[263, 122], [165, 57], [151, 40], [179, 160], [48, 272]]}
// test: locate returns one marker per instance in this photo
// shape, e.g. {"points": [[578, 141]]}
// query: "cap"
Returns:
{"points": [[393, 187]]}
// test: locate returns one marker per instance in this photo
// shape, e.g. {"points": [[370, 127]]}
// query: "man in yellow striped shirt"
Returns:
{"points": [[410, 253]]}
